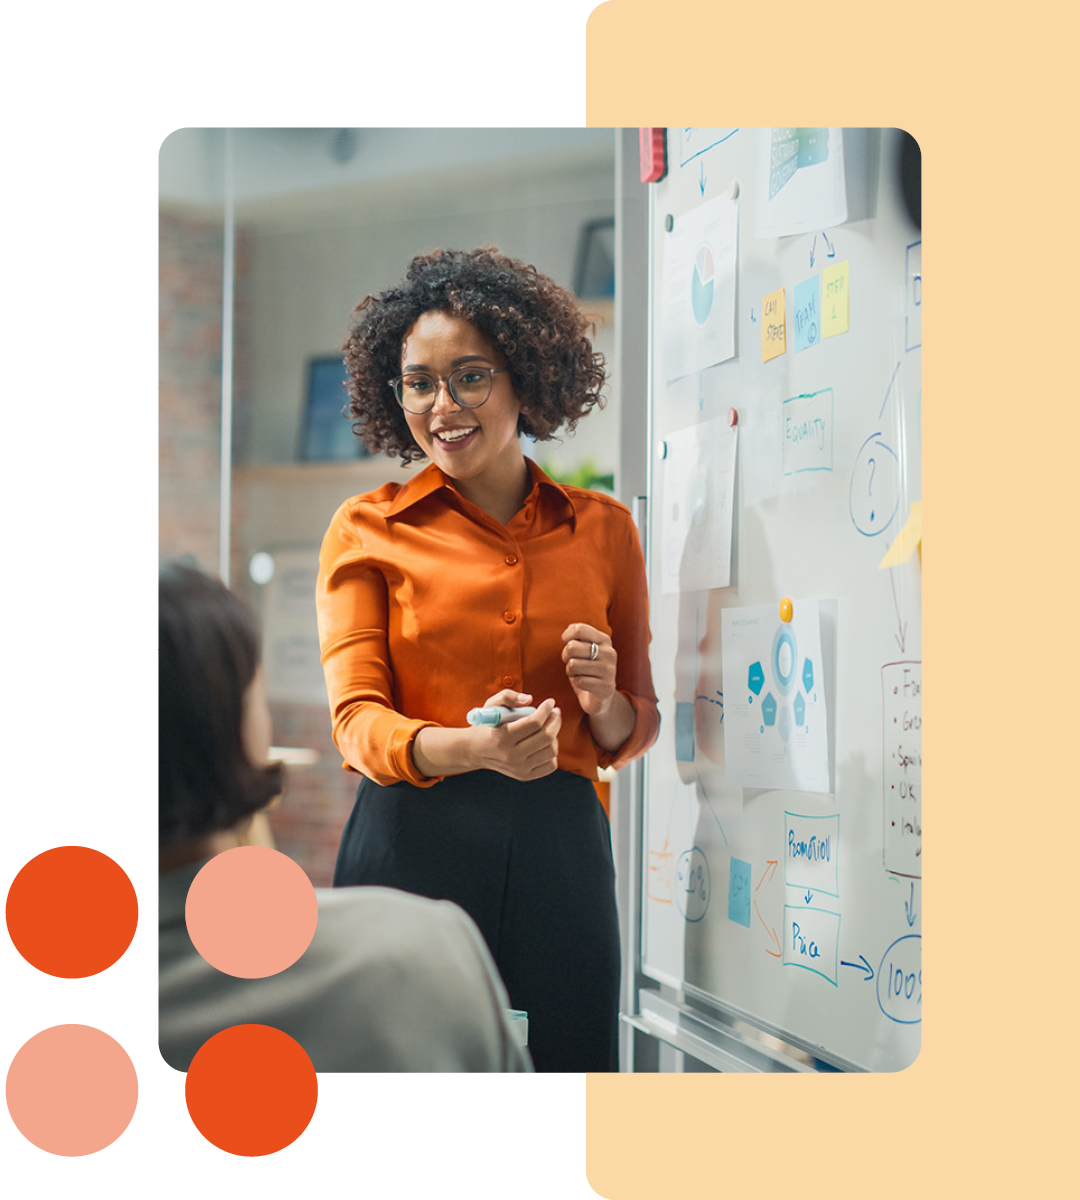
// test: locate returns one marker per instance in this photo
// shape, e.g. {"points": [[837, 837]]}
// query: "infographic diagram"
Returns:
{"points": [[775, 717]]}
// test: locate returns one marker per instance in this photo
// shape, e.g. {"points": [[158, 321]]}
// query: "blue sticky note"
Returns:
{"points": [[738, 897], [806, 318], [684, 732]]}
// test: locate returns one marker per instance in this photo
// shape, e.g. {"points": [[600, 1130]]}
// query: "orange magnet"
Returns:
{"points": [[787, 610]]}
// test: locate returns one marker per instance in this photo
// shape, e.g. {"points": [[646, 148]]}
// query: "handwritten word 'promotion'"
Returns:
{"points": [[814, 850]]}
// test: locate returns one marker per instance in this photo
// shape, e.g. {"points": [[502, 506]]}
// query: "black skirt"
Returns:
{"points": [[531, 864]]}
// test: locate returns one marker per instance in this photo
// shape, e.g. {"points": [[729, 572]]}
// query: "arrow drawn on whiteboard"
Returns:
{"points": [[888, 390], [809, 896], [752, 317], [832, 251], [701, 181], [901, 637], [909, 906], [713, 811], [769, 862], [770, 931], [863, 966]]}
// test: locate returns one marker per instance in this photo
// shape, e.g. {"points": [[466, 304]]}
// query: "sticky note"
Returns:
{"points": [[738, 899], [834, 300], [908, 540], [684, 731], [807, 313], [773, 332]]}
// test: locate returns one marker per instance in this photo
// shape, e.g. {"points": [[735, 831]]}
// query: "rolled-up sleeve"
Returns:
{"points": [[351, 602], [628, 614]]}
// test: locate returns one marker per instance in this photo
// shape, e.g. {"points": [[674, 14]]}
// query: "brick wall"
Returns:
{"points": [[317, 800], [191, 256]]}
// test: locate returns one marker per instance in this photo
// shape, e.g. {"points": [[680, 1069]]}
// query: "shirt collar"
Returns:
{"points": [[431, 479]]}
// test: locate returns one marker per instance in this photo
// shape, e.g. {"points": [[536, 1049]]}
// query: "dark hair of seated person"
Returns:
{"points": [[208, 657]]}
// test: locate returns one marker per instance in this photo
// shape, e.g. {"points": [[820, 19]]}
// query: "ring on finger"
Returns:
{"points": [[594, 651]]}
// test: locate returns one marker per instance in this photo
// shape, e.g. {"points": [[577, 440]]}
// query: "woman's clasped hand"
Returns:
{"points": [[527, 748]]}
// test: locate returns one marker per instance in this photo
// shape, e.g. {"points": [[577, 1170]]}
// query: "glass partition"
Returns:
{"points": [[268, 239]]}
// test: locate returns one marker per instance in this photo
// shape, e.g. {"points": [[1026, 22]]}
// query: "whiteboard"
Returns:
{"points": [[782, 825]]}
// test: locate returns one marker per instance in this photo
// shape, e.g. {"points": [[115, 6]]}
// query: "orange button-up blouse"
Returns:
{"points": [[427, 606]]}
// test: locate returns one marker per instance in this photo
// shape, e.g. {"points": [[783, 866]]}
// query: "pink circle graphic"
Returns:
{"points": [[251, 912]]}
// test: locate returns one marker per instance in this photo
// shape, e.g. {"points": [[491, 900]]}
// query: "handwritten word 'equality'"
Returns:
{"points": [[800, 431]]}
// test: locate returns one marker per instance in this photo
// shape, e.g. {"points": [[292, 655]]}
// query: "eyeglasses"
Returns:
{"points": [[468, 386]]}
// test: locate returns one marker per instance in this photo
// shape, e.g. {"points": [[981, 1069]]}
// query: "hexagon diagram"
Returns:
{"points": [[768, 709], [785, 660], [807, 677], [800, 710], [756, 678]]}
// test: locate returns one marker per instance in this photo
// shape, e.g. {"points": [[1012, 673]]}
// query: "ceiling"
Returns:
{"points": [[268, 164]]}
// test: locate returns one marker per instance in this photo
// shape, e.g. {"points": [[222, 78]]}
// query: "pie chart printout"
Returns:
{"points": [[701, 296]]}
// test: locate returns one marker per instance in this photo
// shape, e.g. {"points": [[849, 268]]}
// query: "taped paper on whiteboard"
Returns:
{"points": [[698, 312], [698, 505]]}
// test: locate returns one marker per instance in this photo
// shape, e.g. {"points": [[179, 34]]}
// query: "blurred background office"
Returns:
{"points": [[268, 239]]}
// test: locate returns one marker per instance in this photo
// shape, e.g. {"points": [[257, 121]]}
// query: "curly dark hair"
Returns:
{"points": [[208, 652], [535, 323]]}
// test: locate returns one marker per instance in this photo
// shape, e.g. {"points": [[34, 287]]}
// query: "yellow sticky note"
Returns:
{"points": [[834, 300], [773, 328], [908, 540]]}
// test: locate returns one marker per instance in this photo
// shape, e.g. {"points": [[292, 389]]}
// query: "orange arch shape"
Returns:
{"points": [[251, 1092]]}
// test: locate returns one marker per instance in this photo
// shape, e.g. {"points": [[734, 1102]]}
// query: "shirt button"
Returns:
{"points": [[508, 681], [510, 559], [509, 617]]}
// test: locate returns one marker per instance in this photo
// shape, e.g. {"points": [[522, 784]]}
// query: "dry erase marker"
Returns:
{"points": [[497, 714]]}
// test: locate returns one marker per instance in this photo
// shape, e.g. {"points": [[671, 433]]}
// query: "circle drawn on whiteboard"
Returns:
{"points": [[703, 285], [693, 884], [784, 659], [874, 494], [899, 981]]}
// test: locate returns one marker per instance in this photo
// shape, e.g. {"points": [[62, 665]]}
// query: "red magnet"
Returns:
{"points": [[732, 417], [653, 159]]}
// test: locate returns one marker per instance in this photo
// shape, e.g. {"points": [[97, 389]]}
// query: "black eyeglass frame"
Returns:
{"points": [[396, 383]]}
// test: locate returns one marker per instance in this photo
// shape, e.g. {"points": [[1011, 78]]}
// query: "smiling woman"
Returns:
{"points": [[466, 420], [453, 588], [524, 315]]}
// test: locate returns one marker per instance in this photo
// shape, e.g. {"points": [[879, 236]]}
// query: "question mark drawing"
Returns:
{"points": [[873, 511]]}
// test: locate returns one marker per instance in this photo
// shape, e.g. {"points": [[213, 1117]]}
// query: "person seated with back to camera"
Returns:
{"points": [[390, 981]]}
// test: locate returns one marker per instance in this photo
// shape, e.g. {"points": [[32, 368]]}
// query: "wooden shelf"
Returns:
{"points": [[365, 473]]}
